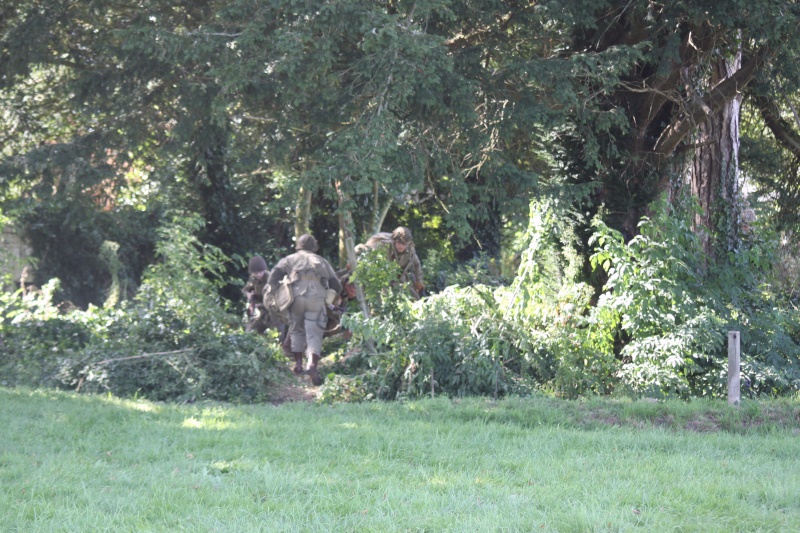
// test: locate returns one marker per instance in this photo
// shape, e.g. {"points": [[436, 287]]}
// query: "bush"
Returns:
{"points": [[545, 311], [174, 341], [674, 306], [657, 328], [447, 343], [481, 270]]}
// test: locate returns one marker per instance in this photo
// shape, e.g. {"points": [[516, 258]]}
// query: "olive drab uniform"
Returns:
{"points": [[338, 308], [253, 291], [310, 277], [410, 266]]}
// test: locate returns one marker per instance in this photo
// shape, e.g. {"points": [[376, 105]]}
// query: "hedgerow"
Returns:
{"points": [[657, 325]]}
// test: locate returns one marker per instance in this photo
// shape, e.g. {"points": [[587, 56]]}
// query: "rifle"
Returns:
{"points": [[251, 305]]}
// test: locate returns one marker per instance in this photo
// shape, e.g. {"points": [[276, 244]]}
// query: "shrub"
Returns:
{"points": [[175, 341], [546, 310], [658, 327], [447, 343], [674, 307]]}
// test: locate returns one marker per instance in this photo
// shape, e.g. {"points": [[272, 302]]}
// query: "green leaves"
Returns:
{"points": [[174, 341], [675, 308]]}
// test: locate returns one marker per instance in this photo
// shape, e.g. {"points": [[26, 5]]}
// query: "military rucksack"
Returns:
{"points": [[279, 302]]}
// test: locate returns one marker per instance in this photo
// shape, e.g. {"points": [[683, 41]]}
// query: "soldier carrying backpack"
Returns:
{"points": [[300, 283]]}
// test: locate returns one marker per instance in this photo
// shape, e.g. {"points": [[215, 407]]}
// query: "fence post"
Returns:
{"points": [[733, 368]]}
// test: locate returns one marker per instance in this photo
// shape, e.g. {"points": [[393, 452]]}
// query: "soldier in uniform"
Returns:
{"points": [[310, 277], [254, 293], [400, 248], [339, 305]]}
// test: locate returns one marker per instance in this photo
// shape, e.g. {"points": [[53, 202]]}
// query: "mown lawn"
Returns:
{"points": [[88, 463]]}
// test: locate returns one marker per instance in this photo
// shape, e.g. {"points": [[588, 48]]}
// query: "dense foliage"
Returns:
{"points": [[598, 189], [174, 341], [657, 328]]}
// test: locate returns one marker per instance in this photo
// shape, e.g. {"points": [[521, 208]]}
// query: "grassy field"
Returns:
{"points": [[86, 463]]}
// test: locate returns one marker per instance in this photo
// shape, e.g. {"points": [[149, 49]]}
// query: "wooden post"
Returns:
{"points": [[733, 368]]}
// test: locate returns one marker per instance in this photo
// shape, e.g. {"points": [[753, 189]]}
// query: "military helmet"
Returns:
{"points": [[257, 264], [307, 242], [403, 235]]}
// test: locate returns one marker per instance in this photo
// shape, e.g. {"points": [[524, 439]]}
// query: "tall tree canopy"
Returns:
{"points": [[256, 114]]}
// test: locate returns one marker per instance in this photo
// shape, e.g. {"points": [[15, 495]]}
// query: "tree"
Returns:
{"points": [[443, 115], [681, 98], [128, 119]]}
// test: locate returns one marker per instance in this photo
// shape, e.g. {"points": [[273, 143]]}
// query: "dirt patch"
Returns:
{"points": [[292, 392], [293, 389]]}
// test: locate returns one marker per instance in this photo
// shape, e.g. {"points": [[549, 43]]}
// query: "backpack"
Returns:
{"points": [[279, 302]]}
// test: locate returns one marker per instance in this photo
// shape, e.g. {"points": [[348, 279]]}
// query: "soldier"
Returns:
{"points": [[336, 309], [400, 248], [254, 293], [310, 277]]}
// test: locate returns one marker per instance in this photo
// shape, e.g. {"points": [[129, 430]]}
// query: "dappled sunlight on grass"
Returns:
{"points": [[385, 467], [211, 423], [139, 405], [239, 465], [192, 423], [218, 418], [438, 480]]}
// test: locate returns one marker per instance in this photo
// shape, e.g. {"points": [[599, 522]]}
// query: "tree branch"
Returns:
{"points": [[780, 127], [699, 110], [463, 41], [142, 356]]}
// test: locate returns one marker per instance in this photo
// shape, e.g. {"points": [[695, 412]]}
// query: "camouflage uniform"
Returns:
{"points": [[311, 276], [253, 291], [411, 268]]}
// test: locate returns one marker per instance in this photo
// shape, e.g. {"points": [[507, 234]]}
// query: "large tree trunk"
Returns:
{"points": [[715, 170]]}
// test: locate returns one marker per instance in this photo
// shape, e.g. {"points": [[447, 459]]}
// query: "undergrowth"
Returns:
{"points": [[174, 341], [655, 325]]}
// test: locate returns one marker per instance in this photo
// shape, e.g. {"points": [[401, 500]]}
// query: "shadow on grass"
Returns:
{"points": [[697, 416]]}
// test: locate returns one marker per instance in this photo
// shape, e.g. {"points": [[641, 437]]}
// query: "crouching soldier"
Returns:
{"points": [[399, 247], [309, 277]]}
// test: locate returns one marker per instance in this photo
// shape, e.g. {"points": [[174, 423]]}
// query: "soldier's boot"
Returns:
{"points": [[312, 372], [298, 363]]}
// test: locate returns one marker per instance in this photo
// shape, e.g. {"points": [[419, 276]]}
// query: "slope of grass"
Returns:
{"points": [[87, 463]]}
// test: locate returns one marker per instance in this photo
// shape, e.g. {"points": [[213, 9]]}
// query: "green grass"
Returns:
{"points": [[87, 463]]}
